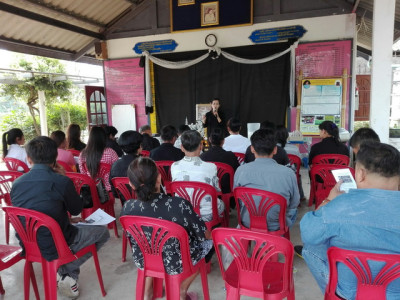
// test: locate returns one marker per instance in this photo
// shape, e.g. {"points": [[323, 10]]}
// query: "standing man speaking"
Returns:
{"points": [[214, 118]]}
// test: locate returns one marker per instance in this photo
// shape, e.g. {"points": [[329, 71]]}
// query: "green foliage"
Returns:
{"points": [[360, 124], [19, 118], [60, 115]]}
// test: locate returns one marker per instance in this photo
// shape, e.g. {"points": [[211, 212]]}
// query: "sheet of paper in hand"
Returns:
{"points": [[347, 179]]}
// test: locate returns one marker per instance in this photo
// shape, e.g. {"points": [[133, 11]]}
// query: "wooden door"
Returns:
{"points": [[364, 96], [96, 106]]}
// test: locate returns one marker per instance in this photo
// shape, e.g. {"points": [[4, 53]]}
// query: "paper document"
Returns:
{"points": [[346, 177], [99, 217]]}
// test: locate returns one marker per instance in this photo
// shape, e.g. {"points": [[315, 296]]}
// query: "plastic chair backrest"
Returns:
{"points": [[337, 159], [323, 172], [225, 170], [121, 184], [164, 168], [79, 181], [254, 253], [28, 229], [240, 157], [103, 173], [14, 164], [368, 286], [66, 166], [295, 160], [194, 192], [145, 153], [258, 213], [152, 245], [6, 180]]}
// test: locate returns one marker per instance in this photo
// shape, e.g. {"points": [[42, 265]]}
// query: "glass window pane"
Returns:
{"points": [[102, 98], [105, 119], [103, 107], [93, 119], [98, 107], [92, 107]]}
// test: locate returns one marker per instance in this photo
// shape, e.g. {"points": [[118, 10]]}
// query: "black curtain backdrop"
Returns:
{"points": [[252, 93]]}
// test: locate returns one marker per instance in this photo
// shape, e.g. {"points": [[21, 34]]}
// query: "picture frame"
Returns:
{"points": [[209, 13], [185, 2], [202, 109]]}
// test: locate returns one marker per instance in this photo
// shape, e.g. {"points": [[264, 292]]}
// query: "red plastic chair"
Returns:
{"points": [[27, 231], [74, 152], [336, 159], [295, 160], [152, 249], [258, 214], [6, 180], [254, 270], [14, 164], [66, 166], [321, 190], [79, 181], [222, 171], [10, 255], [240, 157], [121, 185], [197, 191], [145, 153], [368, 286], [164, 168]]}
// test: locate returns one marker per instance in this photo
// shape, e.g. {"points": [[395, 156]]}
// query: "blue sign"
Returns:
{"points": [[155, 46], [277, 34]]}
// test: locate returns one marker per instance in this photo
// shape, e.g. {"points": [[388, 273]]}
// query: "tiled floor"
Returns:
{"points": [[120, 278]]}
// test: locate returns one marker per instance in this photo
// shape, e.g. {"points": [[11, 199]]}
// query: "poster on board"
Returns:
{"points": [[320, 101]]}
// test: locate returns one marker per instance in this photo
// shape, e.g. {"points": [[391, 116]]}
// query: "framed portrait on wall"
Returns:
{"points": [[185, 2], [210, 13]]}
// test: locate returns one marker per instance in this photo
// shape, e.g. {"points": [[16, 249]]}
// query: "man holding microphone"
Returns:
{"points": [[214, 118]]}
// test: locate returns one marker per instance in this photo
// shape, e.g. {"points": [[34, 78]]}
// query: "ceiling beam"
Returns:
{"points": [[71, 14], [362, 12], [46, 20], [34, 49], [85, 49], [135, 33], [341, 4]]}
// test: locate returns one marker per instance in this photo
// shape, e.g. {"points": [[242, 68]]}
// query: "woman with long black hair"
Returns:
{"points": [[330, 144], [74, 138], [14, 138], [95, 153]]}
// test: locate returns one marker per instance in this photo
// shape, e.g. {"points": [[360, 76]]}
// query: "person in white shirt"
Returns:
{"points": [[235, 142], [181, 129], [192, 168], [15, 139]]}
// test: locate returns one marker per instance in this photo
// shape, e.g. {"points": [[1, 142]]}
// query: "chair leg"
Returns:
{"points": [[27, 278], [115, 229], [157, 288], [124, 246], [204, 282], [140, 284], [7, 228], [98, 270], [34, 283], [2, 291], [172, 288], [49, 279]]}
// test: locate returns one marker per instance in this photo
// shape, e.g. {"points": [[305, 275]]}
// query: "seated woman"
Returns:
{"points": [[145, 179], [130, 142], [330, 143], [96, 153], [63, 155], [74, 138], [15, 139]]}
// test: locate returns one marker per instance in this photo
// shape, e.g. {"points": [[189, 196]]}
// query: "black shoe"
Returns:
{"points": [[298, 250]]}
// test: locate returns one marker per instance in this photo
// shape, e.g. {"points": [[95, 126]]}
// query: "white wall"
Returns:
{"points": [[318, 29]]}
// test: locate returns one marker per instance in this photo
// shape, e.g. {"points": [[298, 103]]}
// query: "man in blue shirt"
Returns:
{"points": [[365, 219], [266, 174], [43, 189]]}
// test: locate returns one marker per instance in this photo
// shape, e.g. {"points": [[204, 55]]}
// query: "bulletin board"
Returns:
{"points": [[321, 100]]}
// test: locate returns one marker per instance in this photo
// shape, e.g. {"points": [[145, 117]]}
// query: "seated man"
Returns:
{"points": [[181, 129], [365, 219], [266, 174], [217, 154], [43, 190], [192, 168], [167, 151], [235, 142], [149, 142], [362, 135]]}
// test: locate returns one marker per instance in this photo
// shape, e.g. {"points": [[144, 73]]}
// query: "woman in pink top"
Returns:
{"points": [[96, 153], [63, 155]]}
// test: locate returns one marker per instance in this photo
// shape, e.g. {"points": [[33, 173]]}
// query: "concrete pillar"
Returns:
{"points": [[381, 78], [42, 114]]}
